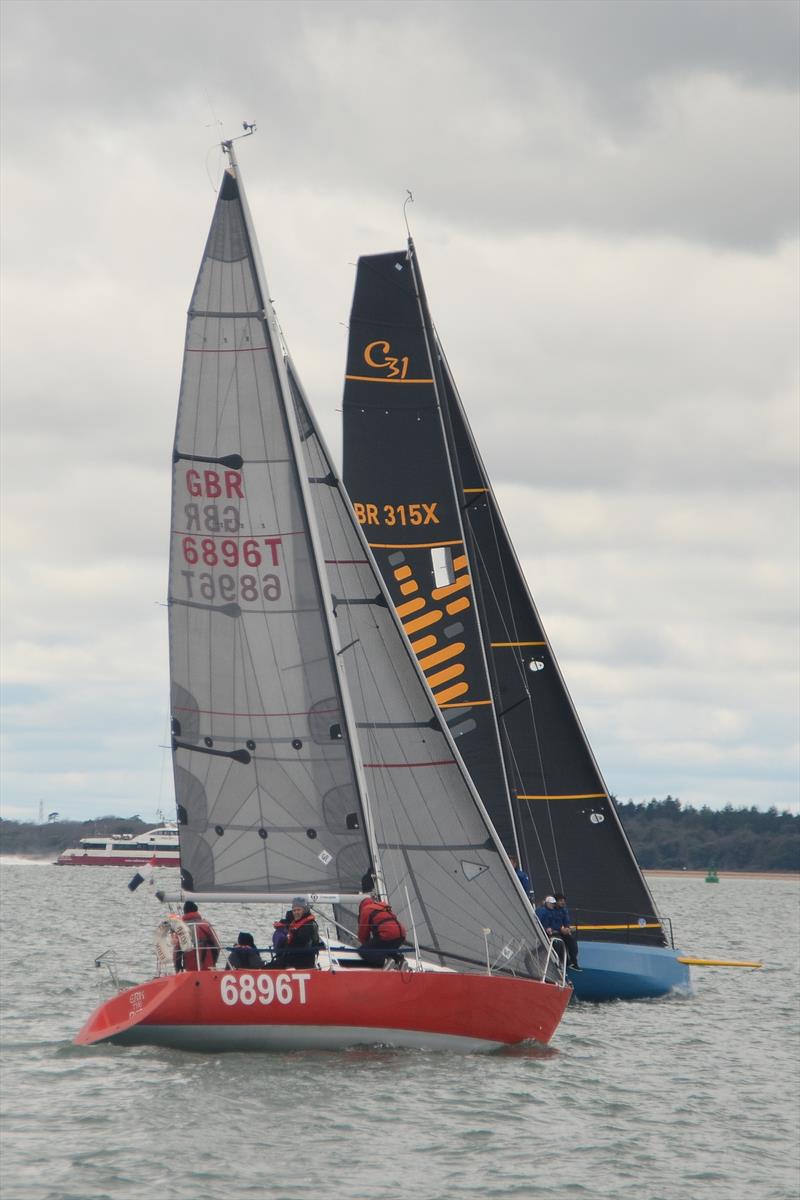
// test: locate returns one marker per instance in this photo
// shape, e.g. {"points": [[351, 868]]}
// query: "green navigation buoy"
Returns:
{"points": [[712, 876]]}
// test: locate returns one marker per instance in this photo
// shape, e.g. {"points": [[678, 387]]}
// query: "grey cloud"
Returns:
{"points": [[617, 116]]}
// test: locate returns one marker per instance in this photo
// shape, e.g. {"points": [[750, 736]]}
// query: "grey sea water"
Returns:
{"points": [[677, 1099]]}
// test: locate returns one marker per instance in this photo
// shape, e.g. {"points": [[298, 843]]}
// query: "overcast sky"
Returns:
{"points": [[606, 214]]}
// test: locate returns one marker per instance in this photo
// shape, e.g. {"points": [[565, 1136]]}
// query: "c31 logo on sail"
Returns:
{"points": [[378, 356]]}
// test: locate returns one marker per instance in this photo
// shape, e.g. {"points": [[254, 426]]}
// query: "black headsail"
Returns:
{"points": [[539, 779]]}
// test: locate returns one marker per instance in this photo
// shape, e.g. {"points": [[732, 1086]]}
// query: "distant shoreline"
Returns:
{"points": [[791, 875]]}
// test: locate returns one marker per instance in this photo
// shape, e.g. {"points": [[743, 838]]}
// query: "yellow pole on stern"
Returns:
{"points": [[717, 962]]}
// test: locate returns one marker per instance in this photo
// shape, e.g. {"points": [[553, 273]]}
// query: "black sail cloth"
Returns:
{"points": [[408, 451]]}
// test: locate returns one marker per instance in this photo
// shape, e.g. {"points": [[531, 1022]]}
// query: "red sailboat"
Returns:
{"points": [[309, 754]]}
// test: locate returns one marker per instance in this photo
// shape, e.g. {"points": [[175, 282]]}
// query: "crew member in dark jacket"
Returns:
{"points": [[380, 933], [567, 932], [244, 954], [203, 937], [302, 937], [552, 920]]}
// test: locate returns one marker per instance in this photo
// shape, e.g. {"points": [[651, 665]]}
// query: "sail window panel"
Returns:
{"points": [[442, 566]]}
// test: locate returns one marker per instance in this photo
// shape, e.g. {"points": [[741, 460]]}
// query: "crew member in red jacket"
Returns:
{"points": [[203, 937], [380, 933]]}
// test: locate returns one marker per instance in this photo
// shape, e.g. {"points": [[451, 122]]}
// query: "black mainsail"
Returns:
{"points": [[308, 751], [409, 450]]}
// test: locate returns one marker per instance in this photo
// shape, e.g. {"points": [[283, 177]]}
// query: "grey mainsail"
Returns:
{"points": [[308, 750], [264, 775]]}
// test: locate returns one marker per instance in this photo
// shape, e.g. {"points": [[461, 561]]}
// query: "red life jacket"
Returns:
{"points": [[207, 942], [295, 925], [383, 924]]}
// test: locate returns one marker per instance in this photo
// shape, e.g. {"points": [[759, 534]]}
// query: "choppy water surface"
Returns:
{"points": [[674, 1099]]}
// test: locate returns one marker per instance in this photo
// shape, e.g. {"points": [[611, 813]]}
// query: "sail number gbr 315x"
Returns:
{"points": [[266, 988], [396, 514]]}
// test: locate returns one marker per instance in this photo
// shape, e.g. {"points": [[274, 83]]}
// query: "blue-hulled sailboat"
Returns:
{"points": [[426, 504]]}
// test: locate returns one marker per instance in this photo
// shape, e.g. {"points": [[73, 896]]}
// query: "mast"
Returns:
{"points": [[435, 357], [279, 357]]}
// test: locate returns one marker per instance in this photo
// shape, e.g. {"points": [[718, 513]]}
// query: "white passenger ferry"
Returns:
{"points": [[159, 846]]}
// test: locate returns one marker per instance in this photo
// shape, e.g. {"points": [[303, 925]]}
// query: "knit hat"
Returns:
{"points": [[300, 902]]}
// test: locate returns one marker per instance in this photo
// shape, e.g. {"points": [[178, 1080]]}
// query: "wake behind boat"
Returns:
{"points": [[309, 754], [426, 503]]}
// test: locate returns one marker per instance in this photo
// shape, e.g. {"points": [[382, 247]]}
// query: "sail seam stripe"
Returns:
{"points": [[647, 925], [376, 379], [578, 796], [231, 537], [215, 712], [444, 762], [413, 545], [495, 645]]}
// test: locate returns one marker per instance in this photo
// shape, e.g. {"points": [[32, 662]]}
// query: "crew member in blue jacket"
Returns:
{"points": [[556, 922]]}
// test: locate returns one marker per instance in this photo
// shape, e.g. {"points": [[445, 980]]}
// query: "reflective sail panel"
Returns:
{"points": [[399, 479], [439, 858], [538, 780], [264, 776]]}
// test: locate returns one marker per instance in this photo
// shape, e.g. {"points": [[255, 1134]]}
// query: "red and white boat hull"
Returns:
{"points": [[331, 1010], [94, 858]]}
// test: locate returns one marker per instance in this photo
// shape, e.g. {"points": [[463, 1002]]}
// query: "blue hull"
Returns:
{"points": [[616, 971]]}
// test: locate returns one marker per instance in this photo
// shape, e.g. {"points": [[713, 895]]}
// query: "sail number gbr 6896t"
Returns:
{"points": [[264, 989], [217, 562]]}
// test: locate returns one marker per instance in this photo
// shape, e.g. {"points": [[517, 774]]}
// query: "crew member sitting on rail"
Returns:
{"points": [[380, 933], [552, 920], [204, 938]]}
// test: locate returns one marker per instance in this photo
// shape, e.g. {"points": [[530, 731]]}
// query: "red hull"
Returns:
{"points": [[211, 1010]]}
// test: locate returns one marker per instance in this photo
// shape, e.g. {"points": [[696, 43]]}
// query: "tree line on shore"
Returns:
{"points": [[664, 834]]}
